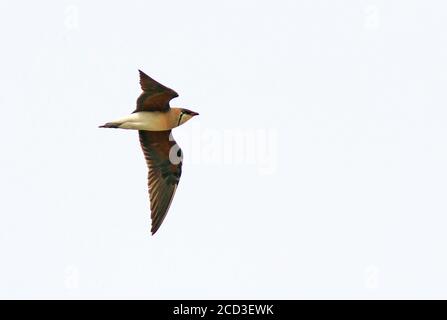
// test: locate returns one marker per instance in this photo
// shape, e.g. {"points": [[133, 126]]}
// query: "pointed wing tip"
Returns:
{"points": [[154, 230], [142, 74]]}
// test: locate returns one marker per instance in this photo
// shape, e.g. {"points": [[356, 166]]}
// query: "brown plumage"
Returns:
{"points": [[154, 119], [155, 96], [164, 161]]}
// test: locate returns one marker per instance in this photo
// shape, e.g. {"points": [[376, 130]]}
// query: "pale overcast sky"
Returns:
{"points": [[316, 169]]}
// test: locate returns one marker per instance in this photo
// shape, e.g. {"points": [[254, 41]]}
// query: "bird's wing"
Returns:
{"points": [[164, 160], [155, 96]]}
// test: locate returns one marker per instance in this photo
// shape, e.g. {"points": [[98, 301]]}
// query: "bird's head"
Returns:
{"points": [[185, 115]]}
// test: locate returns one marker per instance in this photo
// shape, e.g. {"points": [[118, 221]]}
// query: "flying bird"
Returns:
{"points": [[154, 119]]}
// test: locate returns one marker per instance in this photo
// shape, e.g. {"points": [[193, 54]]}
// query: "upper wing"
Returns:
{"points": [[155, 96], [164, 160]]}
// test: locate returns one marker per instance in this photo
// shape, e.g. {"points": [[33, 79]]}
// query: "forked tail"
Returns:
{"points": [[110, 125]]}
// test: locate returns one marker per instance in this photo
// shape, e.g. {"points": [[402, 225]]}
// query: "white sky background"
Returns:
{"points": [[348, 97]]}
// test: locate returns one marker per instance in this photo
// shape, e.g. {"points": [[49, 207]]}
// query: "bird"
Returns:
{"points": [[154, 119]]}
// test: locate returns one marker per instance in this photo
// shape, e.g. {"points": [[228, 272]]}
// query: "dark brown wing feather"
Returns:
{"points": [[155, 96], [164, 160]]}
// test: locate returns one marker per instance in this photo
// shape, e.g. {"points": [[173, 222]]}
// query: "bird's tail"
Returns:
{"points": [[110, 125]]}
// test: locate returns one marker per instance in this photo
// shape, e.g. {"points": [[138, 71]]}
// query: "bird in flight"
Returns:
{"points": [[154, 119]]}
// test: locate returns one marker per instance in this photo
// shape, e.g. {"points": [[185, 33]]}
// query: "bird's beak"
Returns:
{"points": [[195, 114]]}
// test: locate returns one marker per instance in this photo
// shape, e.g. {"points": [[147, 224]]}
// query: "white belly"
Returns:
{"points": [[152, 121]]}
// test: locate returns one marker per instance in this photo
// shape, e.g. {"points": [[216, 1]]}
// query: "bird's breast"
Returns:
{"points": [[152, 121]]}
